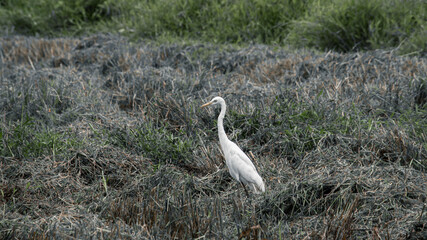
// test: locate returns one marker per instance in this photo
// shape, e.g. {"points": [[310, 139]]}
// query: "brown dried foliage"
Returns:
{"points": [[336, 138]]}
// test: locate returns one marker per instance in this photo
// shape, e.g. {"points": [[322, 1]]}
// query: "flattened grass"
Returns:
{"points": [[113, 143]]}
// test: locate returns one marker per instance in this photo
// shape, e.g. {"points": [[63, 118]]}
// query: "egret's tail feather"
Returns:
{"points": [[258, 188]]}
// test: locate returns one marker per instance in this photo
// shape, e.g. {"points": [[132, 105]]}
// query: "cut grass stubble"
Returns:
{"points": [[340, 147]]}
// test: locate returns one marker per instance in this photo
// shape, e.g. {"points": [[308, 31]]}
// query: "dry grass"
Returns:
{"points": [[105, 139]]}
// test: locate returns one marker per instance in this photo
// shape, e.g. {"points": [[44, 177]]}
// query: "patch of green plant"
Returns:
{"points": [[51, 17], [361, 25], [415, 44], [26, 139], [219, 21], [157, 143], [339, 25], [415, 122]]}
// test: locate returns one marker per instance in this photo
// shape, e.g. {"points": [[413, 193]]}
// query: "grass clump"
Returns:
{"points": [[362, 25], [221, 21], [156, 143], [50, 17], [27, 139]]}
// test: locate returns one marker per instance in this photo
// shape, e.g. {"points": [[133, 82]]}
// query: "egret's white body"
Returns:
{"points": [[239, 165]]}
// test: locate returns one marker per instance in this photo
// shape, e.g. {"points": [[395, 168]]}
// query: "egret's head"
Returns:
{"points": [[214, 101]]}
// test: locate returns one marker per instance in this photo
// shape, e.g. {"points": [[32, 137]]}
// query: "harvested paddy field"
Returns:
{"points": [[105, 139]]}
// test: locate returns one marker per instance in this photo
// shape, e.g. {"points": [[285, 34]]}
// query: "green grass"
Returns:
{"points": [[362, 25], [49, 17], [326, 25], [221, 21], [155, 142], [31, 139]]}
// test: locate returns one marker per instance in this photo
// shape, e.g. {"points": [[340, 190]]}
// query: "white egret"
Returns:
{"points": [[239, 165]]}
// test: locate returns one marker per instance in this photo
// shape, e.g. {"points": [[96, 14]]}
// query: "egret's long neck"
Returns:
{"points": [[221, 132]]}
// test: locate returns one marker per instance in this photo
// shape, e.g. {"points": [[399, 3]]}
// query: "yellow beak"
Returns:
{"points": [[206, 104]]}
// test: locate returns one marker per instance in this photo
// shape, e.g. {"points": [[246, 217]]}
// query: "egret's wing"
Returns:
{"points": [[242, 156], [238, 167], [247, 173], [241, 167]]}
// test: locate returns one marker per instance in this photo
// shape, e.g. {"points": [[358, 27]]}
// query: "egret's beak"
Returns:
{"points": [[206, 104]]}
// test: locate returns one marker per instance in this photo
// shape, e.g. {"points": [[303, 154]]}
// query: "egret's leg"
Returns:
{"points": [[244, 187]]}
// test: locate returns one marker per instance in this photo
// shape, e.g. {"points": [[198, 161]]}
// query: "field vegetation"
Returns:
{"points": [[338, 25], [102, 135], [105, 138]]}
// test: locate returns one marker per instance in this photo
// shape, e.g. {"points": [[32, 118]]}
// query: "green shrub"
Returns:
{"points": [[50, 16], [360, 25], [219, 21]]}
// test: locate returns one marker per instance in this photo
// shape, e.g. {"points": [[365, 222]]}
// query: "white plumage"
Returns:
{"points": [[239, 165]]}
